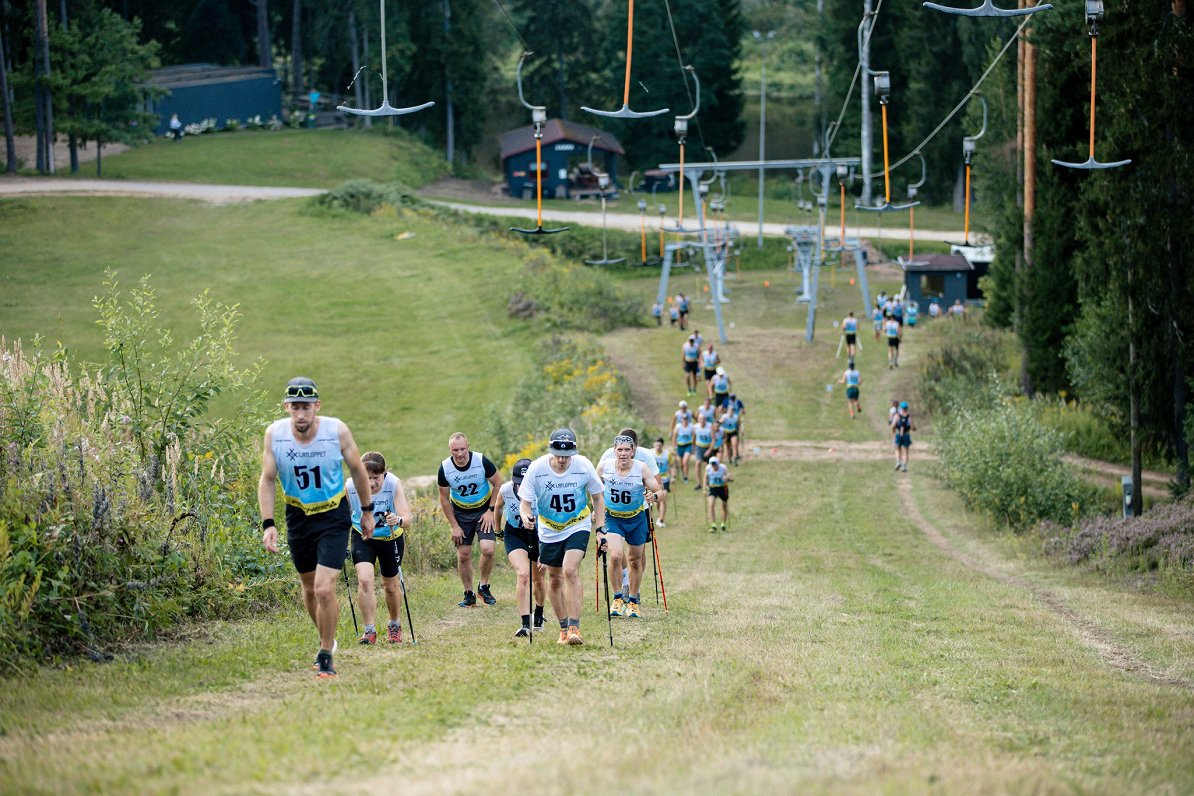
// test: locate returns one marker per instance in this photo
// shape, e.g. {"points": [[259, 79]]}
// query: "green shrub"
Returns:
{"points": [[571, 296], [966, 367], [365, 196], [123, 504], [1005, 463]]}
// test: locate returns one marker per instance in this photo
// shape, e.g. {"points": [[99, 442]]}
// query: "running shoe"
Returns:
{"points": [[724, 528], [522, 632], [485, 594], [538, 625], [574, 638], [897, 465], [395, 634], [325, 670], [661, 524], [633, 613], [369, 637], [335, 646], [619, 607], [470, 599], [563, 636], [712, 527]]}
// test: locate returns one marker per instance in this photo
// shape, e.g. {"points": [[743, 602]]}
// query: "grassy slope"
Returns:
{"points": [[823, 646], [302, 158], [404, 337]]}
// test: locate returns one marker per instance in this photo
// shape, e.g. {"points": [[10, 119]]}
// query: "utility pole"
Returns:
{"points": [[864, 63], [762, 39], [9, 140], [1027, 138], [451, 145], [818, 99]]}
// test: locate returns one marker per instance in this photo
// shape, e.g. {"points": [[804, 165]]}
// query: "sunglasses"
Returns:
{"points": [[563, 445], [301, 391]]}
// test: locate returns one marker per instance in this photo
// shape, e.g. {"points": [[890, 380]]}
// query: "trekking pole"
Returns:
{"points": [[531, 597], [840, 340], [597, 583], [409, 622], [654, 568], [608, 619], [659, 567], [348, 590]]}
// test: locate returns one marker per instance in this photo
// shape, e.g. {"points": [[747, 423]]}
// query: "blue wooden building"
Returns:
{"points": [[565, 155], [944, 277], [206, 91]]}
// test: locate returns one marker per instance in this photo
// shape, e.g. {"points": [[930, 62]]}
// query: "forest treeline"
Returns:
{"points": [[1094, 283]]}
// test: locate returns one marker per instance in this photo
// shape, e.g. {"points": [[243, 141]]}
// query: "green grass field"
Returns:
{"points": [[300, 158], [855, 632]]}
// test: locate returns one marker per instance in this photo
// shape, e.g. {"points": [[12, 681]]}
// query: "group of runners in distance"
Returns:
{"points": [[546, 513], [890, 316]]}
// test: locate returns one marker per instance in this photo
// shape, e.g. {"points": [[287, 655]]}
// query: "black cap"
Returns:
{"points": [[519, 470], [301, 390], [563, 442]]}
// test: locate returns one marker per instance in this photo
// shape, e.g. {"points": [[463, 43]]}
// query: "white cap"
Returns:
{"points": [[684, 404], [721, 371], [714, 460]]}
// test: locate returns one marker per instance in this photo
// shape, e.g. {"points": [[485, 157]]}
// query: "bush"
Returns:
{"points": [[571, 296], [1005, 463], [1162, 540], [965, 368], [122, 502], [365, 196]]}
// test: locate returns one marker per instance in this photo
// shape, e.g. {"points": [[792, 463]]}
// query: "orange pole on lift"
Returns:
{"points": [[642, 233], [629, 50], [1093, 39], [539, 178], [911, 230], [886, 166], [842, 239], [966, 226]]}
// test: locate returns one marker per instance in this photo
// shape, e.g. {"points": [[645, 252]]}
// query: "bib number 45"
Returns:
{"points": [[563, 503]]}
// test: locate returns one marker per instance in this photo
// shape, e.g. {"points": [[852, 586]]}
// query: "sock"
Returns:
{"points": [[526, 620], [326, 652], [563, 624], [370, 628], [539, 614], [617, 595], [634, 599], [574, 622], [396, 623]]}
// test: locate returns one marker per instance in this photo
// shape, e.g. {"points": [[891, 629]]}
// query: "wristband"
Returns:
{"points": [[368, 507], [600, 529], [267, 524]]}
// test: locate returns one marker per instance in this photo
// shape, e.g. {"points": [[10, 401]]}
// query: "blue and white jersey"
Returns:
{"points": [[644, 455], [560, 500], [684, 433], [470, 487], [681, 416], [312, 474], [721, 385], [684, 304], [716, 476], [892, 328], [704, 435], [383, 504], [709, 358], [850, 325], [510, 504], [729, 421], [661, 464], [625, 495], [691, 352], [709, 413], [853, 377], [719, 437]]}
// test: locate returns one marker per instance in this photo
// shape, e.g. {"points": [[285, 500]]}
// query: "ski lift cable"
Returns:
{"points": [[974, 90], [837, 126], [683, 69], [526, 47]]}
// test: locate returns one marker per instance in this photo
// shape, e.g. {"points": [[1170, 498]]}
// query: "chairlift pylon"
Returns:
{"points": [[624, 112], [386, 108], [988, 9], [602, 184], [968, 147], [538, 117], [1094, 13]]}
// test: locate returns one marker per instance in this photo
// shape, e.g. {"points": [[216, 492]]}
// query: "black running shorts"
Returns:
{"points": [[551, 554], [318, 539], [385, 553], [521, 539], [470, 523]]}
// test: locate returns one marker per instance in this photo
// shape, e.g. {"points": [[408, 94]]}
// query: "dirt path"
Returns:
{"points": [[213, 194]]}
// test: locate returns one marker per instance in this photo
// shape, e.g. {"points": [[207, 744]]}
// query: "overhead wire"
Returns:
{"points": [[526, 47], [680, 60]]}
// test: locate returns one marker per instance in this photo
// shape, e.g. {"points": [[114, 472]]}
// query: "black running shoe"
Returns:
{"points": [[470, 599], [522, 632], [325, 670], [486, 595]]}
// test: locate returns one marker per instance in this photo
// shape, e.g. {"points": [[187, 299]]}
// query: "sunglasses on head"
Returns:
{"points": [[563, 445], [301, 391]]}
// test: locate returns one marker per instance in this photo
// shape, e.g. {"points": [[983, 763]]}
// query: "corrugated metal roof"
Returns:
{"points": [[523, 138], [205, 74], [939, 262]]}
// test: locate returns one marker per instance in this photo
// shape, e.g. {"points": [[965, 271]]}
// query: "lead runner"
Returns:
{"points": [[306, 453], [561, 495]]}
